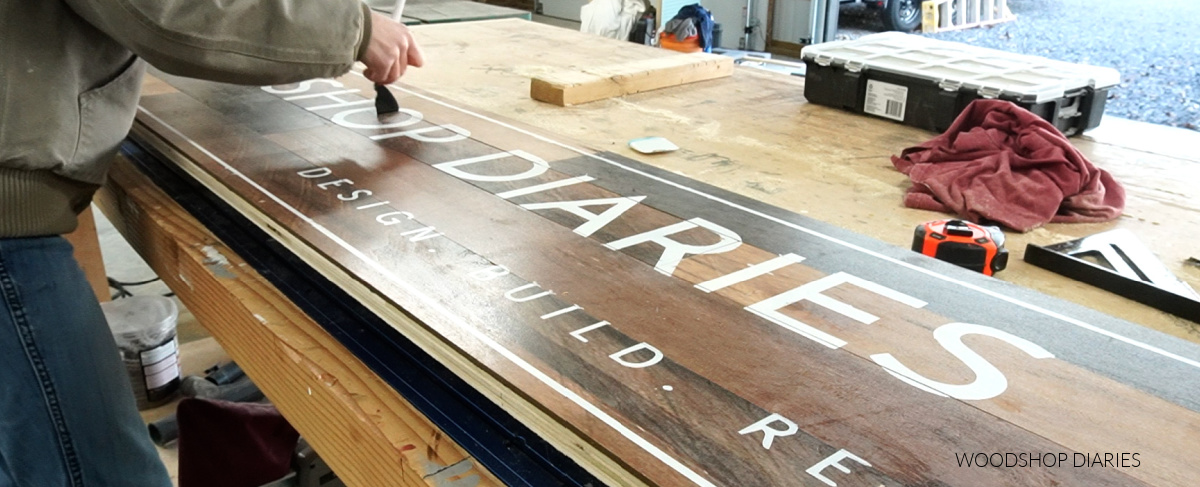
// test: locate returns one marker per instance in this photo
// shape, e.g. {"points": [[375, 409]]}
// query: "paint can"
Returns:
{"points": [[144, 329]]}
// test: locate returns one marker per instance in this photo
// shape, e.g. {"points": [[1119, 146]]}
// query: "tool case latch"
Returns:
{"points": [[989, 92], [950, 85], [823, 60], [854, 66]]}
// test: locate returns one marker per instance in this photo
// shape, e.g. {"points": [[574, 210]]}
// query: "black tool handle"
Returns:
{"points": [[225, 373]]}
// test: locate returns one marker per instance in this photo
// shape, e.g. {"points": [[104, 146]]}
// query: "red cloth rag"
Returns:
{"points": [[231, 444], [1000, 163]]}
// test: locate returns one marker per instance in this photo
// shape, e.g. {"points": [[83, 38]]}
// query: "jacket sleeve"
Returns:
{"points": [[257, 42]]}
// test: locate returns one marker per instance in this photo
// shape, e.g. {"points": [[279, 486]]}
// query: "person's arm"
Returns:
{"points": [[390, 52], [248, 41]]}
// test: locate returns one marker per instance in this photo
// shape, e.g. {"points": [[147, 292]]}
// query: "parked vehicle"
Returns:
{"points": [[900, 15]]}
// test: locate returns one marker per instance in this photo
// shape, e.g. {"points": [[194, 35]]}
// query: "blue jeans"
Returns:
{"points": [[67, 412]]}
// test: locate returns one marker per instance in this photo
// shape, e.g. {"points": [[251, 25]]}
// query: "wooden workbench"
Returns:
{"points": [[750, 134]]}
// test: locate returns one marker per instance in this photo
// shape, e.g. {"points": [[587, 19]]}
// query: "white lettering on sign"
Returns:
{"points": [[456, 134], [316, 172], [330, 95], [336, 182], [389, 218], [421, 234], [343, 118], [301, 87], [832, 461], [538, 167], [338, 102], [561, 183], [372, 205], [769, 433], [512, 293], [769, 308], [592, 221], [578, 334], [673, 250], [356, 194], [563, 311], [408, 117], [655, 357], [989, 381], [749, 273]]}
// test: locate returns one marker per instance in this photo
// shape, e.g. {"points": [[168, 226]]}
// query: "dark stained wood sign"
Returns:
{"points": [[694, 336]]}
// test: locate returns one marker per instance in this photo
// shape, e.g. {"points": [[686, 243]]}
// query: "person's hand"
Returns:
{"points": [[390, 50]]}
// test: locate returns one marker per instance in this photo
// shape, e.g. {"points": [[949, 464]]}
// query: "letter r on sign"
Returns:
{"points": [[770, 433], [673, 250]]}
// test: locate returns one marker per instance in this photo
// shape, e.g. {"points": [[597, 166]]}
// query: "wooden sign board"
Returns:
{"points": [[674, 333]]}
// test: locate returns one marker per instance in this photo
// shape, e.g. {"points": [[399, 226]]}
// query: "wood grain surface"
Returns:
{"points": [[575, 86], [662, 330]]}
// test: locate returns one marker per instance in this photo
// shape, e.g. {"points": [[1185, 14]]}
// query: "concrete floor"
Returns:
{"points": [[121, 262]]}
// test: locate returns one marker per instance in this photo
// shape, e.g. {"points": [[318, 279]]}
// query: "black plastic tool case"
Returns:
{"points": [[927, 82]]}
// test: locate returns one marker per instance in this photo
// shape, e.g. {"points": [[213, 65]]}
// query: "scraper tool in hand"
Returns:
{"points": [[385, 101]]}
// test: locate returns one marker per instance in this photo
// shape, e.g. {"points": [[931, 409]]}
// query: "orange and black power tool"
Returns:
{"points": [[962, 243]]}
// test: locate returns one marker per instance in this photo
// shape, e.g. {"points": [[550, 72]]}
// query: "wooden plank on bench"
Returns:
{"points": [[573, 87]]}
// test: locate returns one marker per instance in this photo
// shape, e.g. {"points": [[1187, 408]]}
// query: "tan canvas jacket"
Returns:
{"points": [[71, 70]]}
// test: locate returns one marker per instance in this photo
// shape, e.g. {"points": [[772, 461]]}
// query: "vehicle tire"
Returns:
{"points": [[902, 15]]}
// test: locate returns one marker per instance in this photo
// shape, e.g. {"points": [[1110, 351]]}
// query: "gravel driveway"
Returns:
{"points": [[1154, 44]]}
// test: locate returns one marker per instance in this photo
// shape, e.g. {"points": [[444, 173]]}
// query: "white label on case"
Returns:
{"points": [[161, 365], [162, 377], [886, 100], [158, 353]]}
